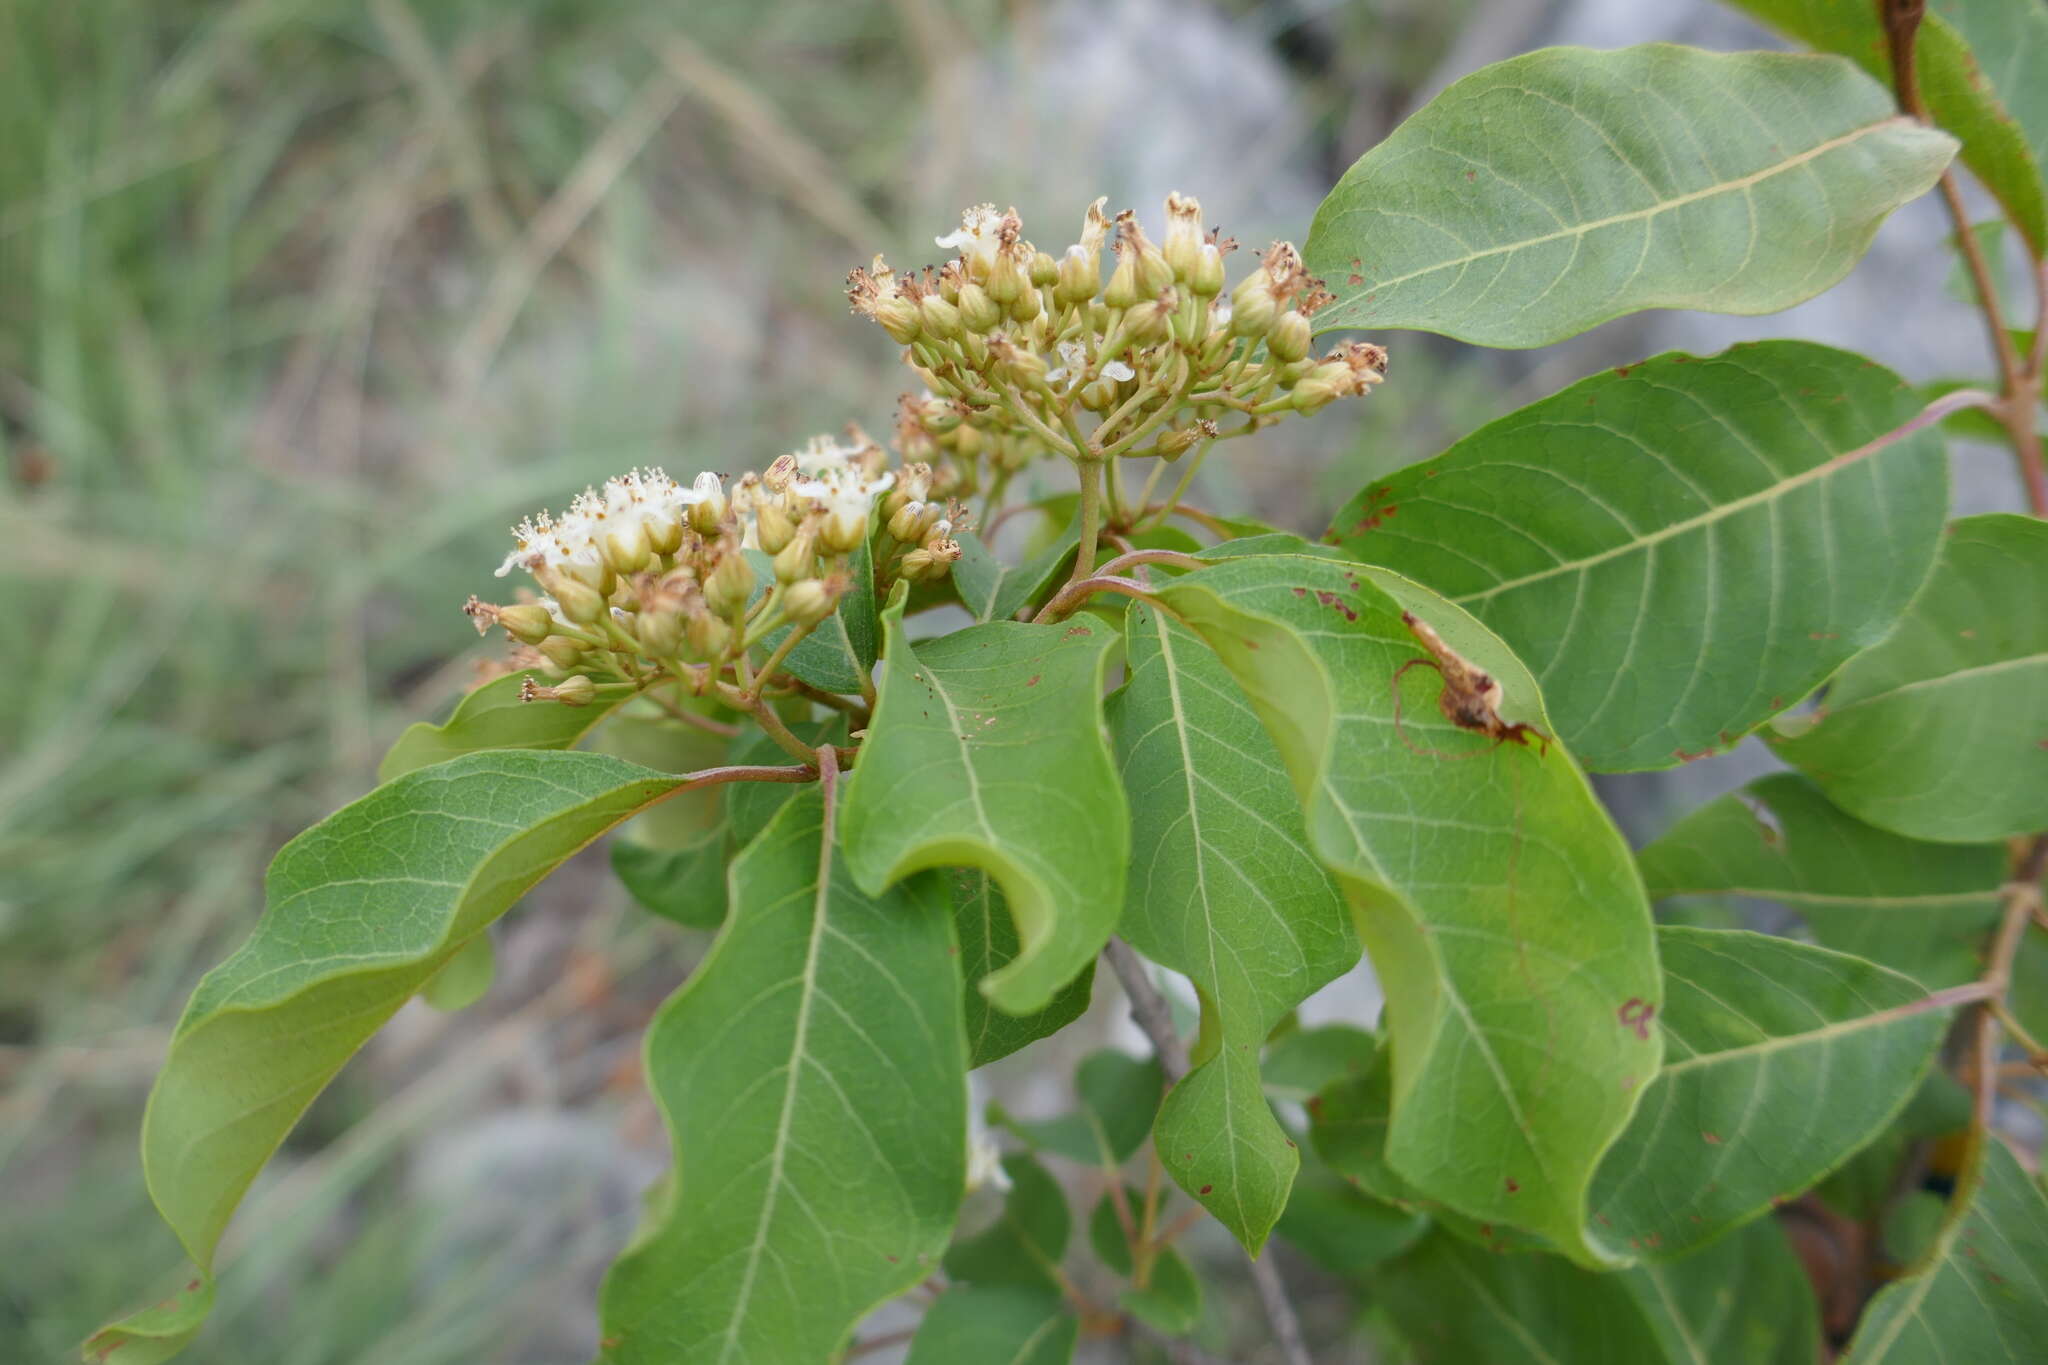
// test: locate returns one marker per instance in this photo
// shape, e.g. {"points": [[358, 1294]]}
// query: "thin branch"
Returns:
{"points": [[1149, 1009], [691, 718], [2020, 899]]}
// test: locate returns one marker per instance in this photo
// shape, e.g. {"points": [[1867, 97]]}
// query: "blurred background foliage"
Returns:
{"points": [[301, 303]]}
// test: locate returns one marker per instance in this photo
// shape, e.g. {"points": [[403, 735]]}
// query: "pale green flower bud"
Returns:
{"points": [[707, 635], [900, 318], [660, 631], [579, 601], [577, 690], [1080, 275], [1007, 278], [773, 527], [731, 582], [1205, 280], [1287, 340], [527, 623], [1252, 307], [1183, 236], [1098, 395], [1123, 290], [1044, 270], [979, 313], [941, 319], [1026, 306], [626, 548], [561, 651], [809, 601], [799, 558]]}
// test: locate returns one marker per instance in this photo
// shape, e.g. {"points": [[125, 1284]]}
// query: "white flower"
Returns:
{"points": [[1076, 363], [978, 237], [648, 497], [984, 1162]]}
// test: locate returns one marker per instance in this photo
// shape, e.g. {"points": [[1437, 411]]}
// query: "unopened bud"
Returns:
{"points": [[969, 441], [1205, 280], [773, 527], [1183, 236], [1287, 340], [707, 514], [561, 651], [1123, 290], [907, 524], [798, 558], [1151, 320], [899, 317], [731, 583], [527, 622], [1006, 278], [665, 532], [1026, 306], [1252, 307], [708, 636], [979, 313], [660, 631], [1173, 444], [1044, 270], [808, 602], [576, 690], [579, 601], [941, 318], [1080, 276], [1322, 386], [1098, 395], [843, 530], [1025, 368]]}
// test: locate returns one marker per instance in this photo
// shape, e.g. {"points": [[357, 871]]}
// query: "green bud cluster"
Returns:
{"points": [[1023, 354]]}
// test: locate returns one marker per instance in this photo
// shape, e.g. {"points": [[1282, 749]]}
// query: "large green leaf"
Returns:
{"points": [[1981, 1293], [987, 750], [1677, 548], [2010, 45], [1782, 1059], [1222, 887], [1941, 732], [1743, 1301], [1952, 81], [995, 1325], [685, 884], [363, 909], [1501, 909], [988, 943], [493, 717], [1119, 1097], [1922, 909], [1546, 194], [813, 1073], [1342, 1230]]}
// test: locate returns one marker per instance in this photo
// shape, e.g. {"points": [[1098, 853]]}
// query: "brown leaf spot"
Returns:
{"points": [[1354, 279], [1635, 1014], [1072, 631], [1712, 1139], [1301, 592], [1514, 1187], [1621, 371], [1207, 1188], [1032, 681], [1684, 757], [1822, 635], [1470, 176]]}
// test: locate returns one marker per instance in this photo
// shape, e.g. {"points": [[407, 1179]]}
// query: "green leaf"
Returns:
{"points": [[1171, 1297], [813, 1074], [1981, 1294], [993, 591], [1223, 888], [1782, 1060], [363, 909], [1941, 731], [1303, 1061], [995, 1325], [1543, 195], [987, 750], [1867, 1184], [1677, 548], [1918, 908], [2009, 43], [685, 884], [988, 943], [1340, 1229], [1119, 1096], [156, 1333], [1027, 1243], [839, 654], [463, 978], [493, 717], [1500, 907], [1952, 82], [1743, 1301]]}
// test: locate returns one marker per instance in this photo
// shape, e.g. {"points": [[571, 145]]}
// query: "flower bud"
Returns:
{"points": [[845, 527], [1022, 367], [773, 527], [579, 601], [659, 631], [707, 635], [1006, 278], [731, 583], [1252, 307], [1205, 279], [708, 511], [1080, 276], [1123, 290], [1026, 306], [561, 651], [1321, 386], [798, 558], [1098, 395], [969, 441], [1287, 340], [527, 623], [808, 602], [665, 531], [979, 313], [576, 690], [1044, 270], [1174, 444], [899, 317], [1151, 320], [941, 319], [907, 523]]}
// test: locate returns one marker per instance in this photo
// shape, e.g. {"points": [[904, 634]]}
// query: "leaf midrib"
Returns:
{"points": [[1652, 211], [1779, 1042]]}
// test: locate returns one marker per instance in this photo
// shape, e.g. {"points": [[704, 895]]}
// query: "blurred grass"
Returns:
{"points": [[301, 302]]}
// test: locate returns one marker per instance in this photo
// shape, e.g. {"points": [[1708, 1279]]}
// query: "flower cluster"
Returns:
{"points": [[1023, 353], [646, 578]]}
